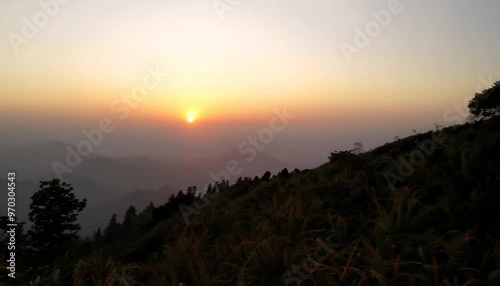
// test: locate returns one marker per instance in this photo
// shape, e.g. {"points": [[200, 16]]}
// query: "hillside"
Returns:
{"points": [[109, 183], [422, 210]]}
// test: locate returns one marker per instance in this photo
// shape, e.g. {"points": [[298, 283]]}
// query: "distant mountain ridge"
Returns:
{"points": [[108, 183]]}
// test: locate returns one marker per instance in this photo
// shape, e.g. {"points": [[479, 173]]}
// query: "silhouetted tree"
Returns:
{"points": [[54, 210], [111, 230], [172, 206], [130, 216], [211, 189], [284, 173], [191, 191], [486, 103], [222, 185], [266, 176], [145, 217], [340, 155], [148, 212]]}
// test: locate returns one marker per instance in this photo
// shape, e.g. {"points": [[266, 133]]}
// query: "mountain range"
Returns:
{"points": [[111, 185]]}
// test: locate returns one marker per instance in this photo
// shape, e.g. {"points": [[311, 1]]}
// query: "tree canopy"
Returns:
{"points": [[130, 216], [486, 103], [54, 210]]}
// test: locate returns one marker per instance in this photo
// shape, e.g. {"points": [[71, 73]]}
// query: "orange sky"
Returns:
{"points": [[235, 70]]}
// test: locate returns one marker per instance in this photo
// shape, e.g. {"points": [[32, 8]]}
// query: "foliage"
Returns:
{"points": [[437, 226], [111, 231], [54, 211], [486, 103], [130, 216]]}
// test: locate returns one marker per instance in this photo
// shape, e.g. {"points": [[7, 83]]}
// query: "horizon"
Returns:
{"points": [[232, 142], [231, 66]]}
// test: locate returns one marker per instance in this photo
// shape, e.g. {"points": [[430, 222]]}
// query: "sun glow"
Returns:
{"points": [[191, 117]]}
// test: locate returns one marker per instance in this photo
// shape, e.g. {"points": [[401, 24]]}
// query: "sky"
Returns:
{"points": [[65, 65]]}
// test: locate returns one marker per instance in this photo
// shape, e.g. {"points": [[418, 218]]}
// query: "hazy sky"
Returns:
{"points": [[232, 64]]}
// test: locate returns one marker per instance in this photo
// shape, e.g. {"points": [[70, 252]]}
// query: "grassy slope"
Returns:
{"points": [[438, 223]]}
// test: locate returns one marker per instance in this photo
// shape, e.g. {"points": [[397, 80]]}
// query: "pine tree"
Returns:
{"points": [[54, 211], [130, 216], [112, 229]]}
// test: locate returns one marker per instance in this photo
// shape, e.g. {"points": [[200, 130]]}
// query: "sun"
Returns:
{"points": [[191, 117]]}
